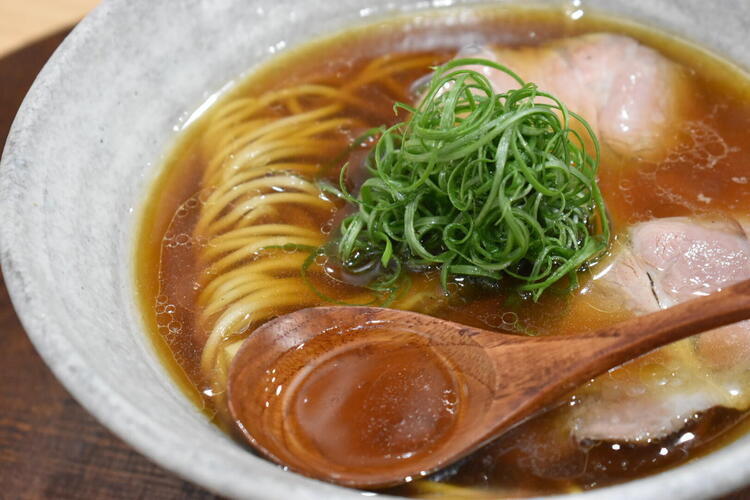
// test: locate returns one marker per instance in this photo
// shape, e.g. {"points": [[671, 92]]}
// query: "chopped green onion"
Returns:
{"points": [[478, 183]]}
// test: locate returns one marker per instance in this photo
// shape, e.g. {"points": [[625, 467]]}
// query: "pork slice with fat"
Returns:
{"points": [[629, 93], [655, 395]]}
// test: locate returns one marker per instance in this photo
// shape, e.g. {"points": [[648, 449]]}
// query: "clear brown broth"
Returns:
{"points": [[374, 402], [536, 457]]}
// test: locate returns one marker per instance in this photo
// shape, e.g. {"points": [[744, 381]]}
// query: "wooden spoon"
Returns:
{"points": [[370, 397]]}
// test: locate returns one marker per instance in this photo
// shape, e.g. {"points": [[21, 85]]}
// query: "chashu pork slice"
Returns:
{"points": [[629, 93], [667, 261]]}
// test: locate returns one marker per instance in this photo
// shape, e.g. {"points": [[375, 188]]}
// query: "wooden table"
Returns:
{"points": [[49, 446]]}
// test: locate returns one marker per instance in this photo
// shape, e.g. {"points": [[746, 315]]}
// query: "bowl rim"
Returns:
{"points": [[731, 464]]}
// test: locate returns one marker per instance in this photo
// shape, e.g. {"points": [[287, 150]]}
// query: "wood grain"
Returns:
{"points": [[500, 379], [49, 446]]}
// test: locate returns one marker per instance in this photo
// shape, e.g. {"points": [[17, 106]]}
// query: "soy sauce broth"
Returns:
{"points": [[706, 173]]}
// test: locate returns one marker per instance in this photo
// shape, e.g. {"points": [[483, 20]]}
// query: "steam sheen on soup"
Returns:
{"points": [[229, 235]]}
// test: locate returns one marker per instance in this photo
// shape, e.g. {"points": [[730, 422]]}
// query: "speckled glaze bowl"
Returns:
{"points": [[83, 151]]}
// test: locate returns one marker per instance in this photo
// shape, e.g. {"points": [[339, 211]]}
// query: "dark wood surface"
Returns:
{"points": [[50, 447]]}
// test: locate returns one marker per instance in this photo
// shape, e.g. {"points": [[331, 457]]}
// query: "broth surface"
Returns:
{"points": [[705, 173], [374, 402]]}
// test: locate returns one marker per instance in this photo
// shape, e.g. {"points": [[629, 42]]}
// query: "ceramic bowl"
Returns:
{"points": [[89, 140]]}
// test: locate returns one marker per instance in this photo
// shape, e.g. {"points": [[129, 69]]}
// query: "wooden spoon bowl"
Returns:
{"points": [[404, 353], [371, 397]]}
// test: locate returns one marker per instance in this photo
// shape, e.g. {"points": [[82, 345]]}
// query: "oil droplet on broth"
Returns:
{"points": [[373, 401]]}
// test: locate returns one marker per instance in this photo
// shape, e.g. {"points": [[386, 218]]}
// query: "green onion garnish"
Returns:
{"points": [[479, 184]]}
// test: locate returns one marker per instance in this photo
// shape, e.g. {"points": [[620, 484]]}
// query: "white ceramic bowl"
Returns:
{"points": [[83, 151]]}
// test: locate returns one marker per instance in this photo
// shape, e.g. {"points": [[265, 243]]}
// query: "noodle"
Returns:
{"points": [[239, 234], [263, 155]]}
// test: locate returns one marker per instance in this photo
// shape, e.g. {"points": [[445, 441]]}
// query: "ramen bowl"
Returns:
{"points": [[87, 145]]}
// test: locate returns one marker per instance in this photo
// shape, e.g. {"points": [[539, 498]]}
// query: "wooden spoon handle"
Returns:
{"points": [[555, 365], [645, 333]]}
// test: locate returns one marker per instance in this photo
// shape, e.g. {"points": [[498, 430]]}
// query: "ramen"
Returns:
{"points": [[233, 232]]}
